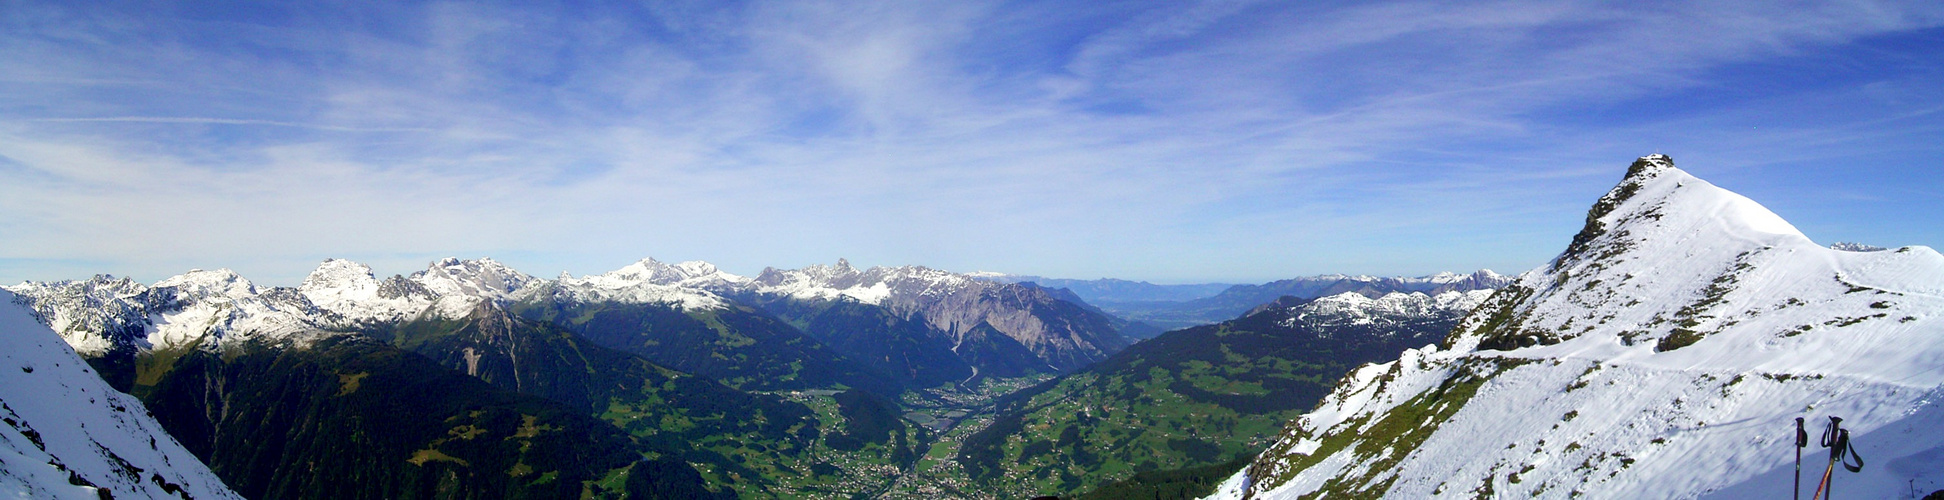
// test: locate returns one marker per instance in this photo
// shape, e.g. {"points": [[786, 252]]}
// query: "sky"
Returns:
{"points": [[1168, 141]]}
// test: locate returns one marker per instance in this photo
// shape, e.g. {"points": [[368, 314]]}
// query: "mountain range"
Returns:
{"points": [[1114, 291], [1234, 300], [1665, 353], [648, 344]]}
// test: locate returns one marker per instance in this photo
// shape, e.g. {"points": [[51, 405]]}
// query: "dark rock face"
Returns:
{"points": [[1058, 331], [1062, 334], [889, 344]]}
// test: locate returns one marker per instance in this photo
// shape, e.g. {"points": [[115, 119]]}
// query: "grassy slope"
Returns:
{"points": [[739, 346], [760, 444], [355, 419]]}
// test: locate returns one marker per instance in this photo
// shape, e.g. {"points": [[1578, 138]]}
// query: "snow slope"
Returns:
{"points": [[67, 434], [1665, 354]]}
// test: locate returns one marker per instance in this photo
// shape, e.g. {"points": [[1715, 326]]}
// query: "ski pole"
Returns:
{"points": [[1802, 439], [1831, 438]]}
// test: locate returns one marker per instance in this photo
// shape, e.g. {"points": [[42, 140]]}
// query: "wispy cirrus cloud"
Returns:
{"points": [[1175, 141], [225, 121]]}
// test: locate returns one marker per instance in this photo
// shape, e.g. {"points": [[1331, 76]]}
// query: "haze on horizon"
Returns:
{"points": [[1173, 142]]}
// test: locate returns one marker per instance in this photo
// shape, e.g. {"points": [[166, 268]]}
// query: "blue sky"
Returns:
{"points": [[1167, 141]]}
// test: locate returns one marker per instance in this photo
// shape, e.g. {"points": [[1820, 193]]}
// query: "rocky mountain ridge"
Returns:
{"points": [[106, 313], [997, 327]]}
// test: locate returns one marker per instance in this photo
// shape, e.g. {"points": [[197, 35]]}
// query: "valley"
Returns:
{"points": [[827, 381], [658, 380], [971, 250]]}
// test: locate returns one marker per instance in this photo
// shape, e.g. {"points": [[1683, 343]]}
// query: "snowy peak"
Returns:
{"points": [[872, 286], [815, 276], [94, 316], [690, 273], [1654, 189], [209, 308], [1667, 259], [1665, 354], [484, 278], [650, 270], [1352, 308], [200, 284], [350, 290], [105, 314], [648, 281], [339, 284], [1650, 165], [340, 274]]}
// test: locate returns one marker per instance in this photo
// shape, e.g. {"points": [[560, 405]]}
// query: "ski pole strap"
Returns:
{"points": [[1829, 434], [1842, 447]]}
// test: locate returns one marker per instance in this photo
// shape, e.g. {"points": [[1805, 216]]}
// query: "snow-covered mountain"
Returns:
{"points": [[683, 286], [877, 285], [200, 307], [1242, 298], [1352, 308], [972, 314], [1664, 354], [105, 314], [1003, 329], [68, 435]]}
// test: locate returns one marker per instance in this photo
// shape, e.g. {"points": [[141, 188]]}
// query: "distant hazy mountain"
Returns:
{"points": [[1665, 354], [1110, 290], [1238, 299]]}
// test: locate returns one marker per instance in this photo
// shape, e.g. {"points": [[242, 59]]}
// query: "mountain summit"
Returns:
{"points": [[1664, 354]]}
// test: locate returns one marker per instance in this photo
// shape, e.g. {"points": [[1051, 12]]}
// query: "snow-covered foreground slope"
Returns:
{"points": [[1665, 354], [68, 435]]}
